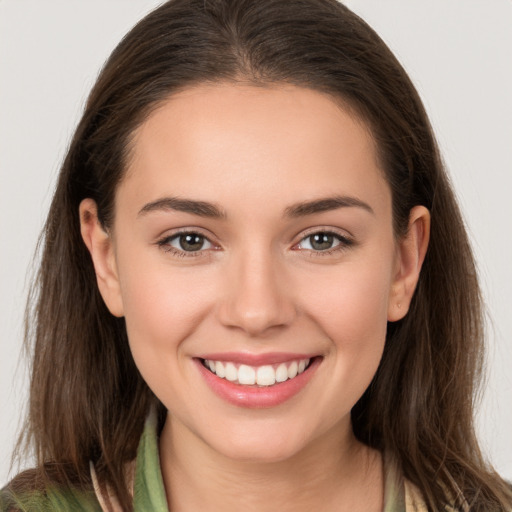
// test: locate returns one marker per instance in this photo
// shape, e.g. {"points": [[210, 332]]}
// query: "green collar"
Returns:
{"points": [[148, 488]]}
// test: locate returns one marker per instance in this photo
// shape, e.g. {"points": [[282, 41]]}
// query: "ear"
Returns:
{"points": [[411, 252], [101, 247]]}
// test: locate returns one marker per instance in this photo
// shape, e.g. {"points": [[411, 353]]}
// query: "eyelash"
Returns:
{"points": [[344, 243], [164, 244]]}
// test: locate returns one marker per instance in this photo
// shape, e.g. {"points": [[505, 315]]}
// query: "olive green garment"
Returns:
{"points": [[148, 490]]}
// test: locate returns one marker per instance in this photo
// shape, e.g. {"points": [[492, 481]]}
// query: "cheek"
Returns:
{"points": [[352, 304], [352, 311], [162, 309]]}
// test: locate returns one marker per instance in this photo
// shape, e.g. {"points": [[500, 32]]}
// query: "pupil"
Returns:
{"points": [[322, 241], [191, 242]]}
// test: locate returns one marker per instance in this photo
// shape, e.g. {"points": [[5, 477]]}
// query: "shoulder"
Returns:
{"points": [[414, 501], [26, 493], [55, 500]]}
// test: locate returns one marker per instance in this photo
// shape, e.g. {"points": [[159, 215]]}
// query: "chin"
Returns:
{"points": [[267, 451], [261, 441]]}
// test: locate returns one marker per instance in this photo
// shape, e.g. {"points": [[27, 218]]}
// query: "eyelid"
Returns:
{"points": [[345, 239], [341, 233], [163, 242], [177, 237]]}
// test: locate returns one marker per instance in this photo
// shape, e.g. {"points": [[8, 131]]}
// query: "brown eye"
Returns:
{"points": [[323, 241], [191, 242], [188, 242]]}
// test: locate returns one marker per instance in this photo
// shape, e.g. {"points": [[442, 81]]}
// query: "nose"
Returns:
{"points": [[258, 298]]}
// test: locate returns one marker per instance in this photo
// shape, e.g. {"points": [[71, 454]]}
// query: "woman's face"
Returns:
{"points": [[253, 236]]}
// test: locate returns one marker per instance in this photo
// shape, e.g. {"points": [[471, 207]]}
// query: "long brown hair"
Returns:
{"points": [[87, 400]]}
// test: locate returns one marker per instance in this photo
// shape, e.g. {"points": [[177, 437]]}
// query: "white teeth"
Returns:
{"points": [[231, 372], [246, 375], [266, 375], [281, 373], [292, 370], [219, 369]]}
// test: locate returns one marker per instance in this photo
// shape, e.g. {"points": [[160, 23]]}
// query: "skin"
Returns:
{"points": [[258, 286]]}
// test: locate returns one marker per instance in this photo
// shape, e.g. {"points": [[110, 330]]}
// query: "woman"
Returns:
{"points": [[236, 257]]}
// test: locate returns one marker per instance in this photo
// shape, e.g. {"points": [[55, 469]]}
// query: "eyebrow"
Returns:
{"points": [[326, 204], [210, 210], [201, 208]]}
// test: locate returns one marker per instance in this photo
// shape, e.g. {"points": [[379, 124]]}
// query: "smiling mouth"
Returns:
{"points": [[260, 376]]}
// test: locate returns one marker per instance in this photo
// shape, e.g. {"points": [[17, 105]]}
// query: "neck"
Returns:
{"points": [[336, 472]]}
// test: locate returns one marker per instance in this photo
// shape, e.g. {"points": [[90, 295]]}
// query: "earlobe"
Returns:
{"points": [[411, 252], [101, 248]]}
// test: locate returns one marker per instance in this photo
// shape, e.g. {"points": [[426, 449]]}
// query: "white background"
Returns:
{"points": [[458, 53]]}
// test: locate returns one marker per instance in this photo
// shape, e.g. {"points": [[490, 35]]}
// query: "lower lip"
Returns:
{"points": [[257, 397]]}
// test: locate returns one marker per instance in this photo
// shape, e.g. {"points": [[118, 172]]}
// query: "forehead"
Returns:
{"points": [[273, 142]]}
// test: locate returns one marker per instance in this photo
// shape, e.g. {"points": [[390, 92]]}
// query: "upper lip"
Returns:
{"points": [[256, 359]]}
